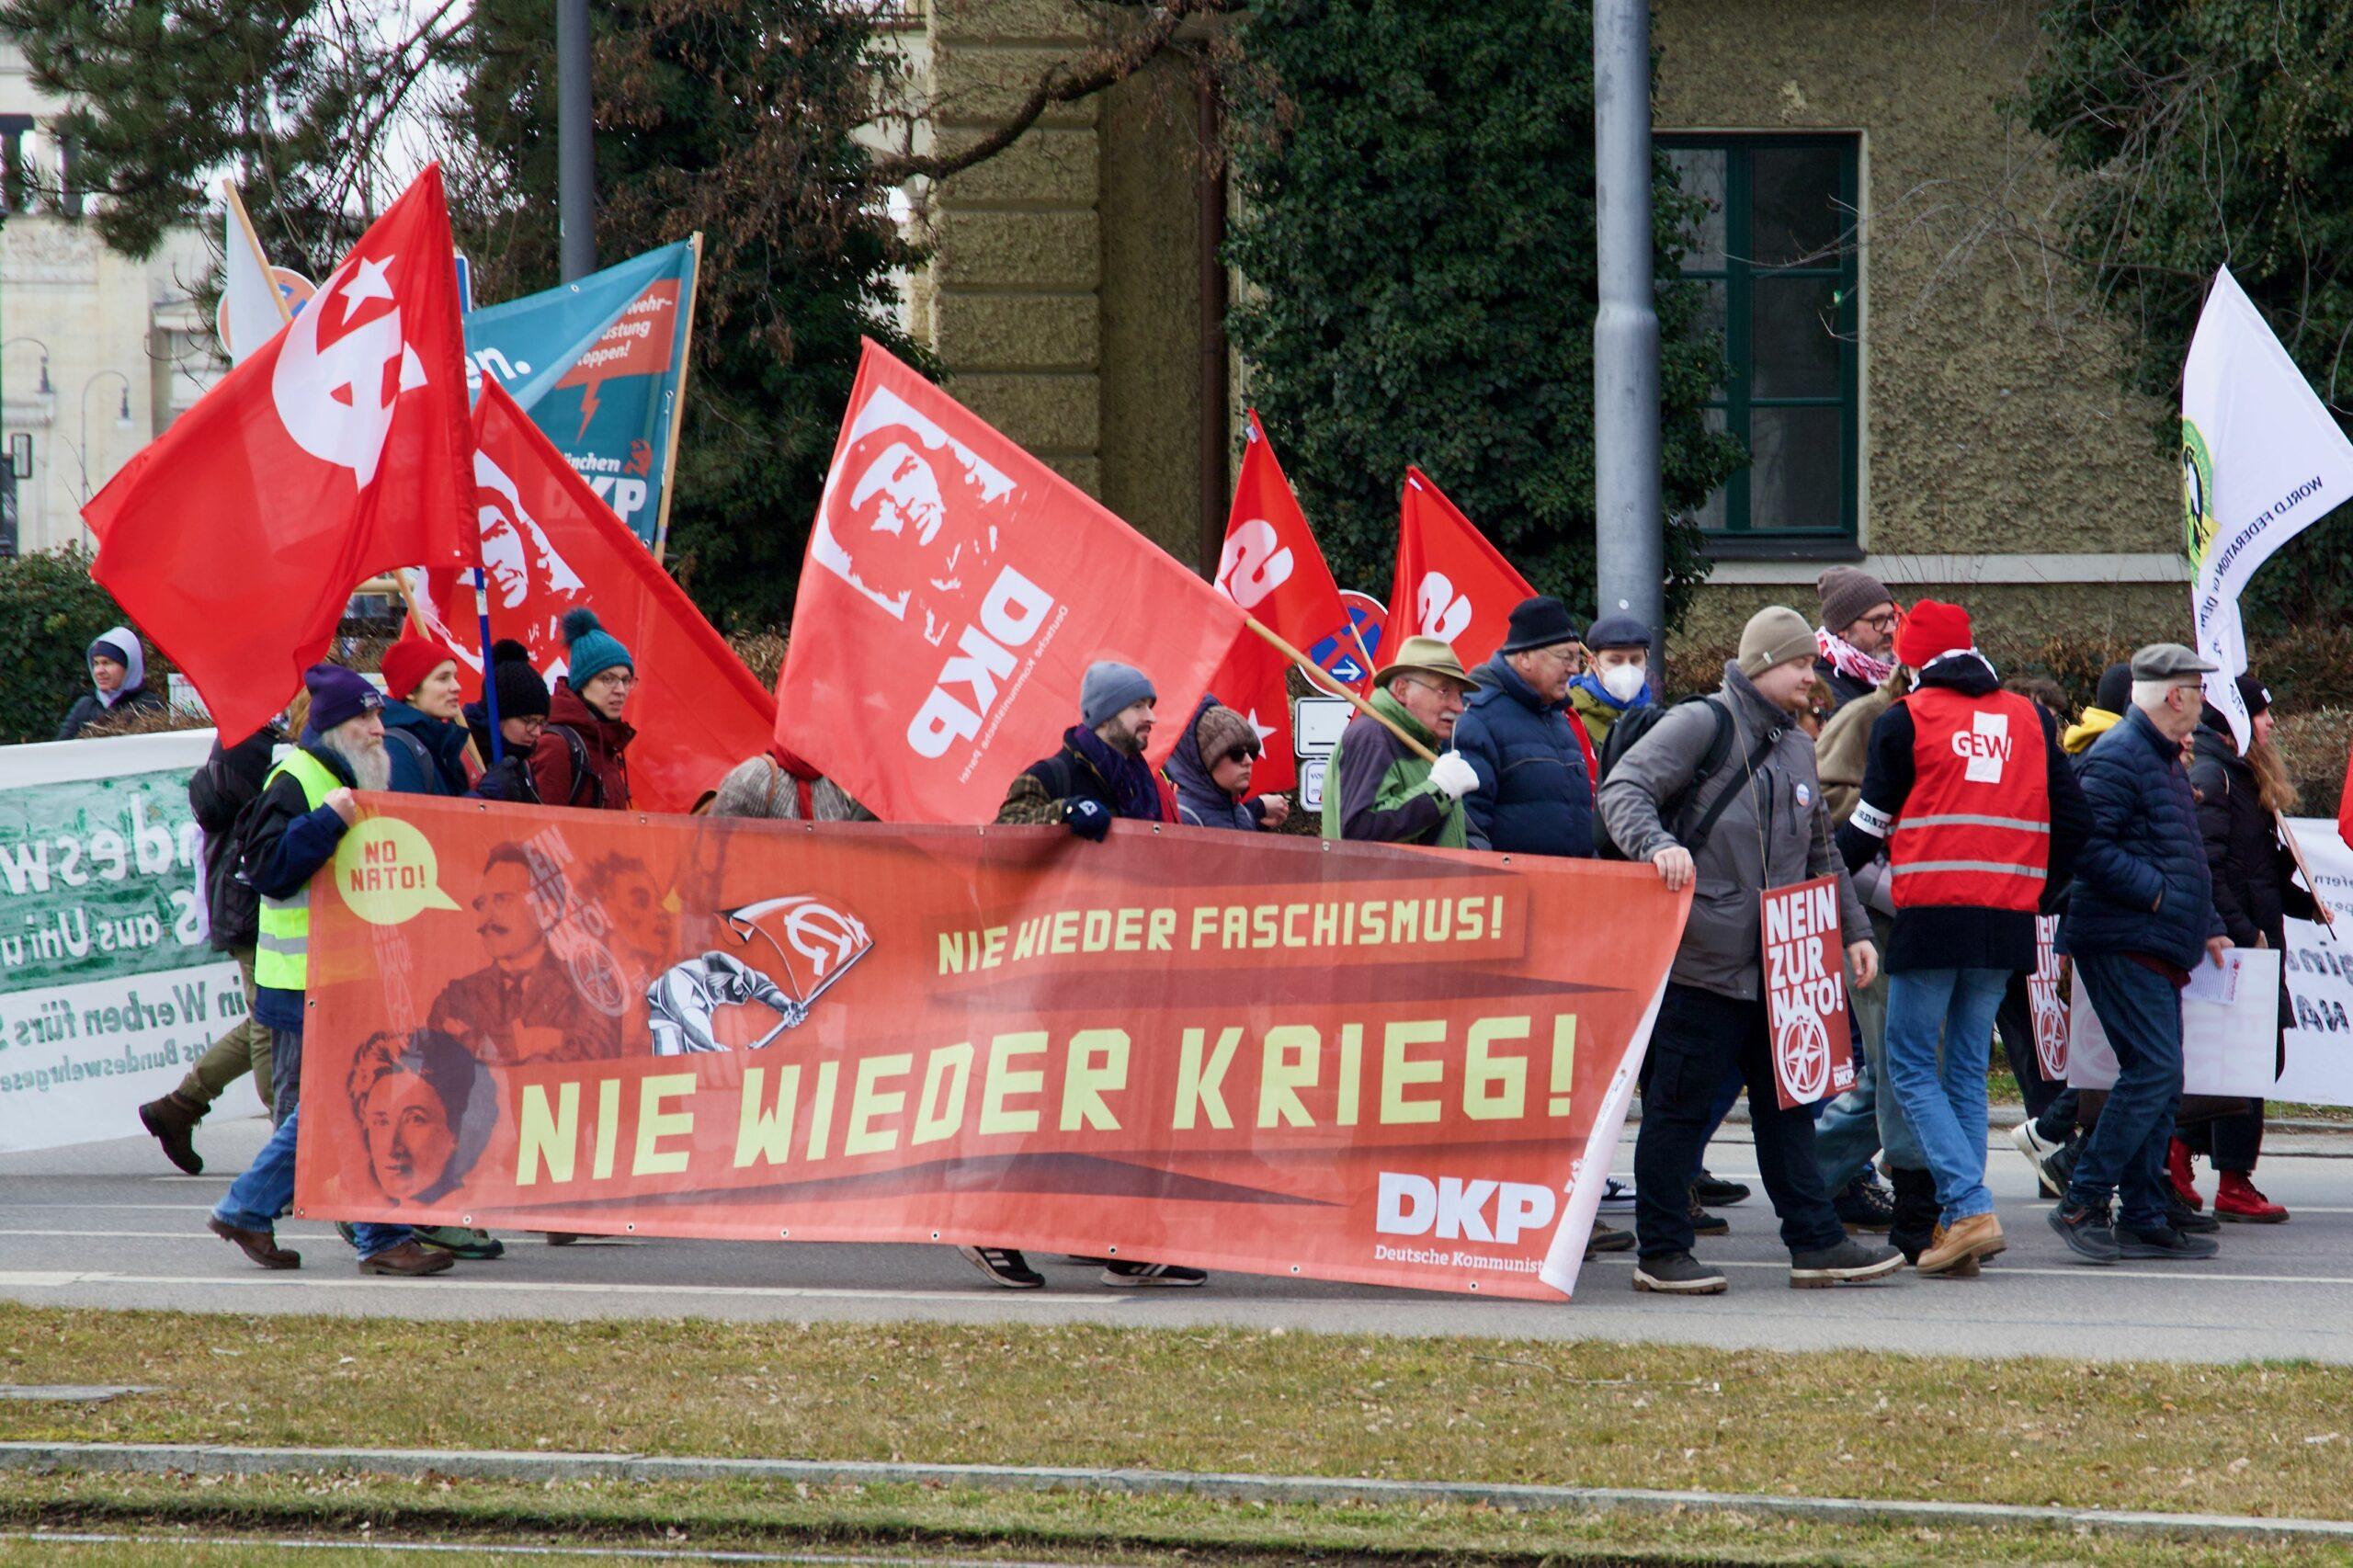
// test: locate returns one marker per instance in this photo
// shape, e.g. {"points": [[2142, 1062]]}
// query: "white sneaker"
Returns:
{"points": [[2038, 1150], [1617, 1195]]}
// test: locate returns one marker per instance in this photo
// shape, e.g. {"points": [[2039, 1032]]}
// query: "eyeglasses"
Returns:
{"points": [[1239, 754], [1884, 622]]}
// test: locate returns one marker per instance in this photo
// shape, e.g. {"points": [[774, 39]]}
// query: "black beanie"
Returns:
{"points": [[521, 693], [2115, 692]]}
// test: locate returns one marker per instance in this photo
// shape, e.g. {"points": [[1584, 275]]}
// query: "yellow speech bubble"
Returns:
{"points": [[387, 872]]}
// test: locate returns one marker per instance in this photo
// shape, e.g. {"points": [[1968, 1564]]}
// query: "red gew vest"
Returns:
{"points": [[1975, 831]]}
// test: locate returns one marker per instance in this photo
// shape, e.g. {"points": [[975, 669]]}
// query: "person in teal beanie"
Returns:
{"points": [[581, 760]]}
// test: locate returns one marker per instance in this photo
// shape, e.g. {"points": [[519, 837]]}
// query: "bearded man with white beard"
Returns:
{"points": [[305, 808]]}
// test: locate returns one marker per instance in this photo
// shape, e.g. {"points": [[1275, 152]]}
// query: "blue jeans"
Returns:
{"points": [[256, 1198], [1945, 1099], [1869, 1117], [2125, 1153]]}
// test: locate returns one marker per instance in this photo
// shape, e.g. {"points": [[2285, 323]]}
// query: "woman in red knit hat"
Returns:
{"points": [[424, 730]]}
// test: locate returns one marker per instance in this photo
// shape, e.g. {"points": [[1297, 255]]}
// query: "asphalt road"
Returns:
{"points": [[111, 1225]]}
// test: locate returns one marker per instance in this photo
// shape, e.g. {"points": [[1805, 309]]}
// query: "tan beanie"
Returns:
{"points": [[1219, 731], [1774, 635]]}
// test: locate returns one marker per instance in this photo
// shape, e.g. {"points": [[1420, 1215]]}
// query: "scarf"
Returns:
{"points": [[1851, 661], [1591, 685], [804, 776], [1136, 792]]}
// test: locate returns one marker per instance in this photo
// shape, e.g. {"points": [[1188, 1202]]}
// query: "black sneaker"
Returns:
{"points": [[1706, 1224], [1004, 1265], [1617, 1197], [2086, 1229], [1706, 1188], [1150, 1275], [2167, 1243], [1677, 1274], [2188, 1221], [1608, 1238], [1865, 1205], [1848, 1263]]}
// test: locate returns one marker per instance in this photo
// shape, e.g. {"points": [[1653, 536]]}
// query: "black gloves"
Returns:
{"points": [[1089, 819]]}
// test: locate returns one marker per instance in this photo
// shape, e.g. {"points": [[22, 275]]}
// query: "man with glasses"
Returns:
{"points": [[1855, 644], [2141, 917], [1379, 789], [1535, 791]]}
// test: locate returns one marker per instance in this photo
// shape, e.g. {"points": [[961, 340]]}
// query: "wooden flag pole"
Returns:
{"points": [[679, 409], [1304, 663], [261, 257], [2288, 836]]}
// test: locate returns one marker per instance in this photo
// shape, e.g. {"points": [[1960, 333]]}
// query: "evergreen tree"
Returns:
{"points": [[1418, 236]]}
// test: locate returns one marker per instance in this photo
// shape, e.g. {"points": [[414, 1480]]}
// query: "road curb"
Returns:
{"points": [[200, 1459]]}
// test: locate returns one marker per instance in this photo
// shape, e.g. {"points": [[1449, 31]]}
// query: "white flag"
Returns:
{"points": [[2262, 459]]}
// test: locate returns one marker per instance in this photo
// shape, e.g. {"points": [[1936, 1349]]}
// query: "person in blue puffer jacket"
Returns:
{"points": [[2141, 917], [1534, 794]]}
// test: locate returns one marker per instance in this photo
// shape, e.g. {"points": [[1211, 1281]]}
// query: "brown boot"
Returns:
{"points": [[1965, 1241], [260, 1246], [408, 1261], [173, 1121]]}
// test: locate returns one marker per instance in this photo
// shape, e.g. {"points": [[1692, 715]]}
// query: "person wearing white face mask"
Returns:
{"points": [[1618, 678]]}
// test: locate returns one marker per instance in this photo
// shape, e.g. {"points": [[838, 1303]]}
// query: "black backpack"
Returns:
{"points": [[1636, 722]]}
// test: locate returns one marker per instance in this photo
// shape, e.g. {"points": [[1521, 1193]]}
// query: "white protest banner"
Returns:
{"points": [[2230, 1020], [2262, 459], [2319, 969], [109, 989], [1805, 993]]}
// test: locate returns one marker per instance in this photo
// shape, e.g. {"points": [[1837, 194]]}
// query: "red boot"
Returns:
{"points": [[2237, 1198], [2177, 1171]]}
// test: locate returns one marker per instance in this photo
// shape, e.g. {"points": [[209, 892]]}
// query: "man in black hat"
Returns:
{"points": [[1535, 791]]}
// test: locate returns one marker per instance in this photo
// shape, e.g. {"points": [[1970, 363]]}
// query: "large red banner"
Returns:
{"points": [[1244, 1051], [549, 545], [955, 591]]}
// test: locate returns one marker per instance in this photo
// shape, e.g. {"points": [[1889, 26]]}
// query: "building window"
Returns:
{"points": [[1775, 251]]}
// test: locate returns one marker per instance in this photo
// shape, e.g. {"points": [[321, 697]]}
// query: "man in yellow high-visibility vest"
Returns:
{"points": [[305, 808]]}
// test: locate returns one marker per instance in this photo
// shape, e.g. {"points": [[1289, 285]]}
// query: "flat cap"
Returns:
{"points": [[2169, 661]]}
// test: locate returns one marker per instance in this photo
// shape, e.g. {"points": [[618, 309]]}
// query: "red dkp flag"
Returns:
{"points": [[1451, 583], [337, 451], [954, 592], [549, 545], [1273, 569]]}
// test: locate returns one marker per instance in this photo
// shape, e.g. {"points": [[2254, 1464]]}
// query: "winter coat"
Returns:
{"points": [[428, 755], [286, 840], [1534, 796], [217, 793], [553, 771], [1039, 792], [1595, 715], [509, 778], [1931, 936], [1199, 800], [2141, 885], [1775, 833], [1377, 790], [2096, 723], [1844, 688], [130, 697], [1840, 753], [2255, 889]]}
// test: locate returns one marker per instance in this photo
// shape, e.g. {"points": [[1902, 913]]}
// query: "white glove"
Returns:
{"points": [[1454, 775]]}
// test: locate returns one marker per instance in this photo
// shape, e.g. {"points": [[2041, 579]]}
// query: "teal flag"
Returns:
{"points": [[599, 364]]}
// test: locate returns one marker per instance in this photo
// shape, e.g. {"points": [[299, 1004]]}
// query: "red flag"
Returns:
{"points": [[1272, 567], [337, 451], [549, 545], [1255, 681], [1451, 584], [954, 592]]}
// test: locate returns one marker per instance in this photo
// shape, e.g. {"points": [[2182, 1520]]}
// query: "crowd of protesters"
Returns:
{"points": [[1852, 745]]}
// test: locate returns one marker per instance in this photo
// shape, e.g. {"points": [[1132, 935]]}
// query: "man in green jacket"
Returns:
{"points": [[1378, 789]]}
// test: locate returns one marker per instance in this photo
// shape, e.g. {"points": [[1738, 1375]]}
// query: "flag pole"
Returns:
{"points": [[489, 663], [261, 257], [678, 407], [1366, 709], [2288, 836]]}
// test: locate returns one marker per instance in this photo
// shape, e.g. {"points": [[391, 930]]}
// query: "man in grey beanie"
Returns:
{"points": [[1100, 774]]}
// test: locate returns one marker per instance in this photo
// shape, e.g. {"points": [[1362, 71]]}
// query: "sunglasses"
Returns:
{"points": [[1239, 754]]}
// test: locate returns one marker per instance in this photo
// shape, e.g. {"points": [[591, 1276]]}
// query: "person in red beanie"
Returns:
{"points": [[425, 732], [1968, 794]]}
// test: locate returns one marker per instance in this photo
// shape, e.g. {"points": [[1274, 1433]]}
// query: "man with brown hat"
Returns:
{"points": [[1856, 641], [1752, 822], [1377, 789]]}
